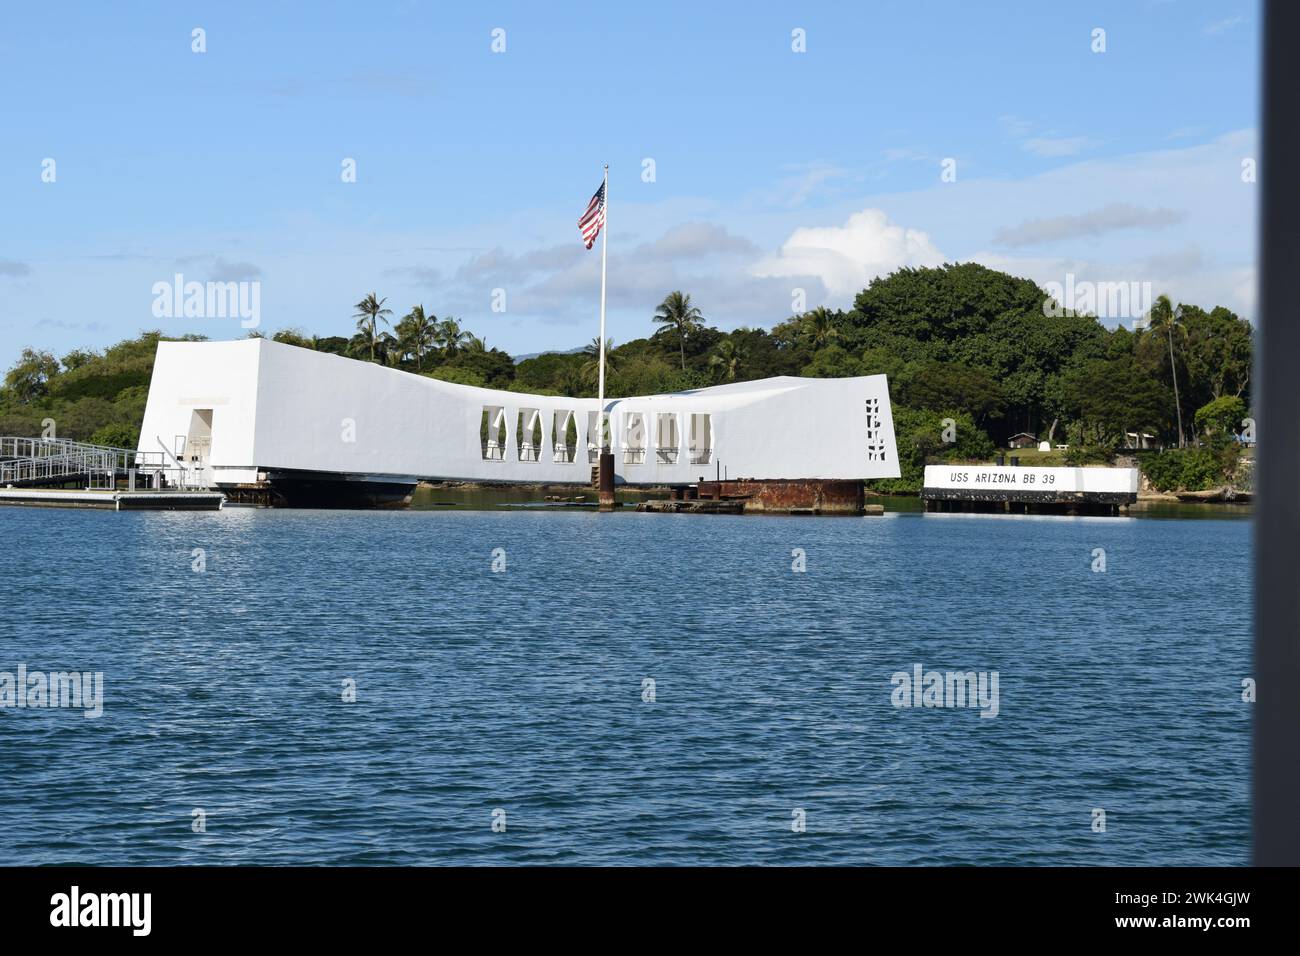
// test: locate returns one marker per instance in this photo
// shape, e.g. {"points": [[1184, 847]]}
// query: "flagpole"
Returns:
{"points": [[604, 249]]}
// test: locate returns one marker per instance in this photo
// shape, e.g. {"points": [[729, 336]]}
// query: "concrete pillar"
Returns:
{"points": [[606, 482]]}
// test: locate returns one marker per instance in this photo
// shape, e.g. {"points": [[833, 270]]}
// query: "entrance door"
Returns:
{"points": [[198, 446]]}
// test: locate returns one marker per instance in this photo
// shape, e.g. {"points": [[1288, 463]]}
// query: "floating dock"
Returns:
{"points": [[112, 500], [1012, 489]]}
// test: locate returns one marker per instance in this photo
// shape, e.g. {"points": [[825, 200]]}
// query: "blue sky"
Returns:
{"points": [[775, 170]]}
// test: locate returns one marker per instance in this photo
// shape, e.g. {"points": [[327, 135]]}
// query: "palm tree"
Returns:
{"points": [[371, 311], [819, 326], [475, 344], [1165, 318], [360, 345], [729, 356], [676, 312], [591, 367], [450, 336], [416, 333], [388, 348]]}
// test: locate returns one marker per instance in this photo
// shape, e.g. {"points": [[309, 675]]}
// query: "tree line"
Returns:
{"points": [[959, 341]]}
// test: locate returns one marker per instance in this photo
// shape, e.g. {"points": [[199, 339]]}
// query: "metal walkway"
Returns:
{"points": [[45, 462]]}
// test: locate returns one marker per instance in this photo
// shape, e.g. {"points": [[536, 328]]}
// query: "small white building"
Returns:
{"points": [[316, 426]]}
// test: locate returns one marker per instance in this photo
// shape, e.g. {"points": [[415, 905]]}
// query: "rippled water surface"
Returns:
{"points": [[522, 691]]}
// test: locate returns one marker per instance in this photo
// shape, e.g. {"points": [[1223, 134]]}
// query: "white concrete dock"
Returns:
{"points": [[113, 500]]}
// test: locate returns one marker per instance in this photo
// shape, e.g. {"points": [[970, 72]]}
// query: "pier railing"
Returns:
{"points": [[37, 461]]}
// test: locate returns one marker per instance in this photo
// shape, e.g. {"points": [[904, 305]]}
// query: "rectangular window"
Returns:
{"points": [[634, 438], [564, 436], [492, 433], [701, 439], [528, 434], [667, 442]]}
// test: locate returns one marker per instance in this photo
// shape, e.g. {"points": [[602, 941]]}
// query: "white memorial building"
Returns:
{"points": [[321, 428]]}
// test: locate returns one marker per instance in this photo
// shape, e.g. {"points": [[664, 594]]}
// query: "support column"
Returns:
{"points": [[606, 483]]}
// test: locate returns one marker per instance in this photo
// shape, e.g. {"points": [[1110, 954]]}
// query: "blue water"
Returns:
{"points": [[522, 690]]}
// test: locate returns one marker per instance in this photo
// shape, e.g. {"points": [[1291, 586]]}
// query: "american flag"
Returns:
{"points": [[593, 218]]}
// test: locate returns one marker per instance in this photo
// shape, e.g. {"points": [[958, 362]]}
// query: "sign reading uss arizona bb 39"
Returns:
{"points": [[1123, 481]]}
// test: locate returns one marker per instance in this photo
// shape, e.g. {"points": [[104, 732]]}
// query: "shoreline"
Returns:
{"points": [[488, 496]]}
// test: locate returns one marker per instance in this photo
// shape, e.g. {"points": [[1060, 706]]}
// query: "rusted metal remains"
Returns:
{"points": [[816, 496]]}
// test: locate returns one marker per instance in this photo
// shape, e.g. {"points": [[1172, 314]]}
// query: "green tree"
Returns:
{"points": [[591, 367], [979, 318], [1189, 469], [459, 375], [370, 312], [1111, 397], [1221, 417], [31, 375], [387, 349], [550, 371], [496, 367], [77, 358], [676, 312], [819, 327], [729, 358], [882, 361], [450, 337], [116, 435], [333, 344], [652, 375], [833, 361], [945, 303], [294, 337], [360, 346], [1216, 357], [937, 385], [416, 333], [1165, 320]]}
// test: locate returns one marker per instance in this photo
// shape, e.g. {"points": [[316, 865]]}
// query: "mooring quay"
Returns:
{"points": [[113, 500], [53, 472], [1014, 489]]}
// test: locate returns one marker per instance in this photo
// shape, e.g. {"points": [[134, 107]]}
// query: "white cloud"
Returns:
{"points": [[1095, 222], [1201, 181], [220, 269], [740, 258], [1058, 145], [1048, 143], [806, 181], [1222, 26], [697, 239], [559, 285], [846, 258]]}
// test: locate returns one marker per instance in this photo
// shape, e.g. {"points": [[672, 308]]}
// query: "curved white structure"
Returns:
{"points": [[255, 410]]}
